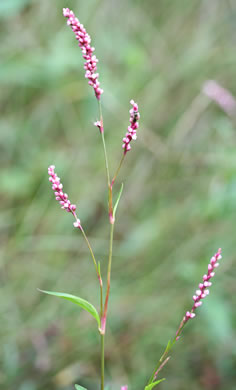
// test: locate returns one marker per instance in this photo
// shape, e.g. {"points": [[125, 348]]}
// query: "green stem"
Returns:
{"points": [[103, 313], [101, 297], [108, 281], [103, 142], [157, 367], [97, 271], [164, 359], [110, 254], [106, 160], [102, 360], [90, 249], [118, 170]]}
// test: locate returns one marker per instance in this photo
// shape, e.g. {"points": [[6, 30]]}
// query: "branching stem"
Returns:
{"points": [[164, 359]]}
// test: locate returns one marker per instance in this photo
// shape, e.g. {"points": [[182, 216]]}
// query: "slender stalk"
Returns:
{"points": [[110, 254], [118, 170], [108, 277], [90, 249], [102, 360], [103, 312], [103, 142], [101, 305], [106, 160], [101, 299], [97, 271]]}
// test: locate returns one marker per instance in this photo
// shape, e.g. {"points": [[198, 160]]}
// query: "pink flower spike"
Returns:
{"points": [[124, 387], [61, 197], [202, 292], [134, 124], [84, 41]]}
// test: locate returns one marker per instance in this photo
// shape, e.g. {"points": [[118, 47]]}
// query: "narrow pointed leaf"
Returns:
{"points": [[78, 301], [169, 345], [99, 268], [150, 387], [118, 199], [78, 387]]}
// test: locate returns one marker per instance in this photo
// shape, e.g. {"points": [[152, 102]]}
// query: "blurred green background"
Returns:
{"points": [[177, 208]]}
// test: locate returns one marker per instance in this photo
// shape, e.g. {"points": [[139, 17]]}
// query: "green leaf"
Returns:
{"points": [[118, 199], [150, 387], [78, 387], [78, 301]]}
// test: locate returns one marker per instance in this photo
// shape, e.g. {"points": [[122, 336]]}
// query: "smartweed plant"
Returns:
{"points": [[90, 66]]}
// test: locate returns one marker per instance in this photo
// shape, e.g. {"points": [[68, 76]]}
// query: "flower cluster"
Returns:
{"points": [[84, 40], [131, 134], [203, 291], [61, 197]]}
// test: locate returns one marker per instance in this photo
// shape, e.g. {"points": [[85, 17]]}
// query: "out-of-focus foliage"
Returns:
{"points": [[178, 205]]}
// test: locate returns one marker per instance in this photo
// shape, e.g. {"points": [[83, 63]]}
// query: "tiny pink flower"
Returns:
{"points": [[189, 315], [84, 41], [77, 224], [197, 304]]}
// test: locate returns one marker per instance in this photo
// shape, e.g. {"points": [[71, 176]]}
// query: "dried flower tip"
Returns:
{"points": [[134, 124], [98, 124], [84, 41]]}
